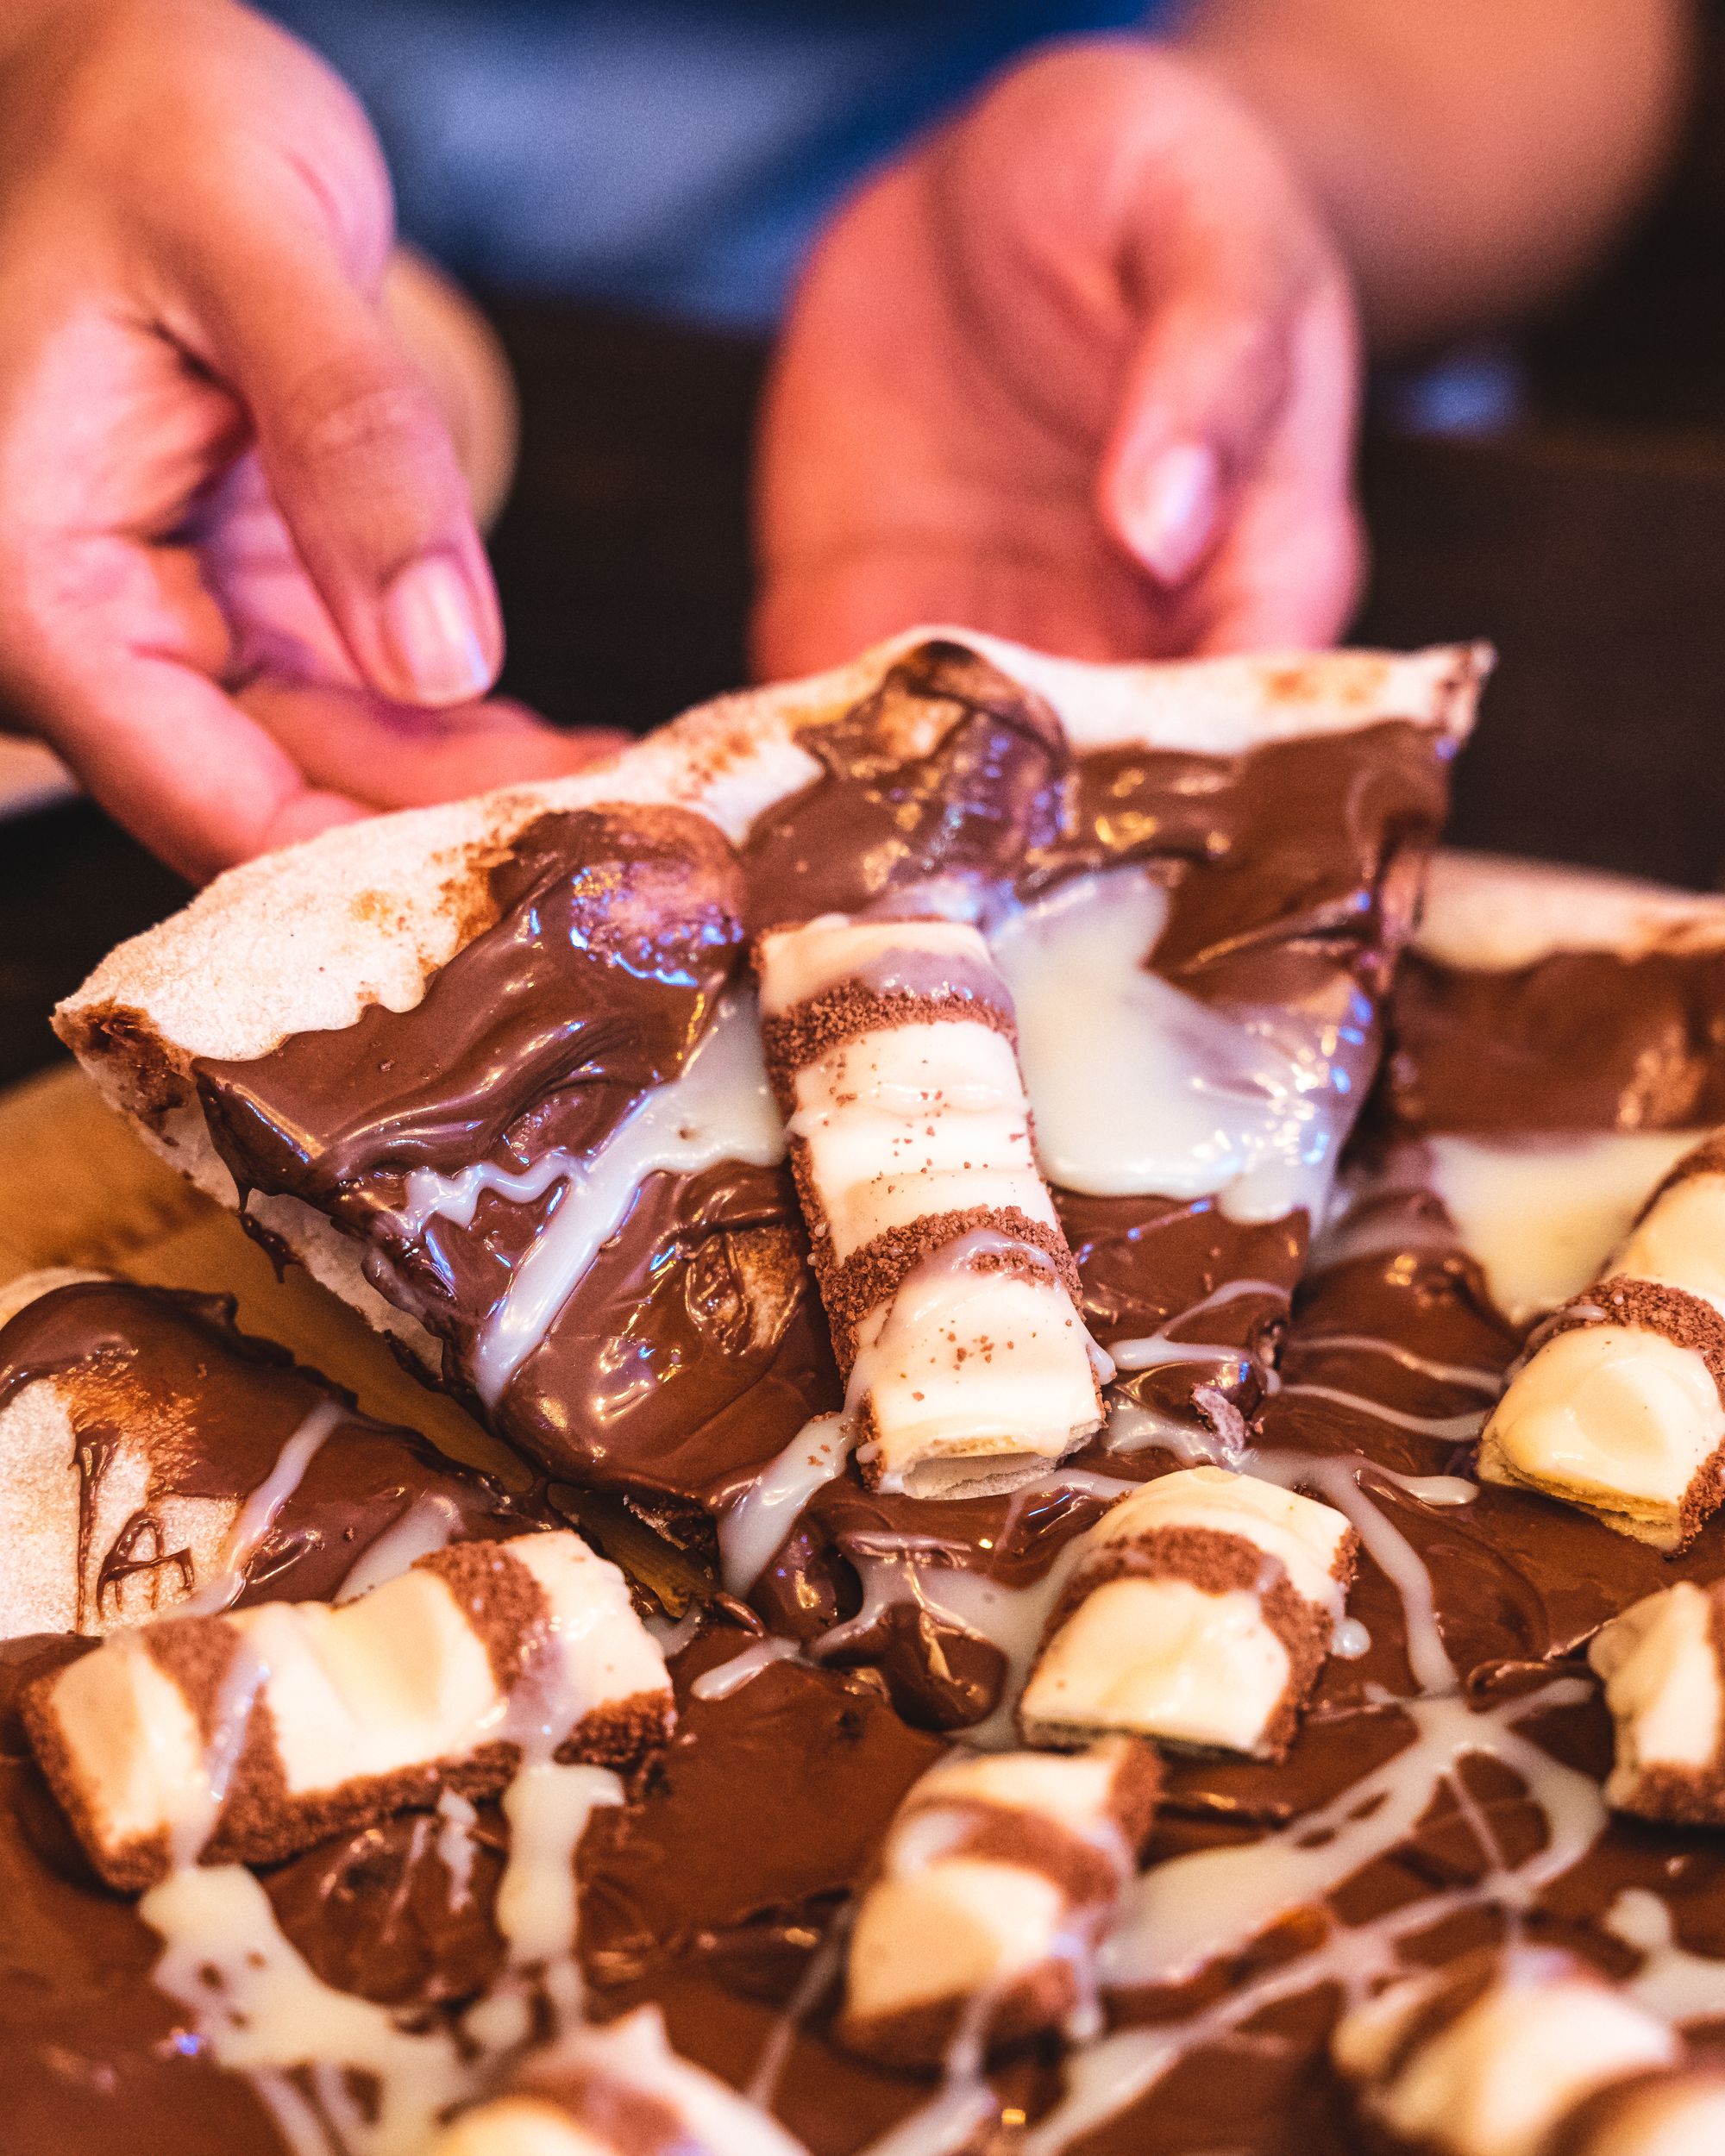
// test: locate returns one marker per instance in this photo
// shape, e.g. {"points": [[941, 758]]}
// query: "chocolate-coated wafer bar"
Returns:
{"points": [[1199, 1612], [251, 1736], [619, 2090], [1663, 1662], [1496, 2054], [950, 1289], [994, 1883], [1620, 1407], [1674, 2111]]}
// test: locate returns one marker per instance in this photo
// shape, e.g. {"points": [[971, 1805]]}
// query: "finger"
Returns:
{"points": [[1203, 391], [395, 756], [223, 792], [1290, 570], [357, 457], [116, 669]]}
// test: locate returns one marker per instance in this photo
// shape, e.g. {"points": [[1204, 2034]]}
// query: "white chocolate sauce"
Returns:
{"points": [[457, 1819], [261, 1511], [1466, 1376], [1542, 1217], [1138, 1089], [268, 2015], [1188, 1911], [1443, 1429]]}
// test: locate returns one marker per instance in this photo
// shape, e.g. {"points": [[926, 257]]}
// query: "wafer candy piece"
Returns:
{"points": [[1493, 2055], [1620, 1408], [251, 1736], [1663, 1662], [950, 1289], [1679, 2111], [994, 1883], [1199, 1612], [619, 2090]]}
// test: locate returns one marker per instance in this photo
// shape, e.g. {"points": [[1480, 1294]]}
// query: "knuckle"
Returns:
{"points": [[355, 414]]}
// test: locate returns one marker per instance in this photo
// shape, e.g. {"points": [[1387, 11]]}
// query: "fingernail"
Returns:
{"points": [[1173, 519], [427, 614]]}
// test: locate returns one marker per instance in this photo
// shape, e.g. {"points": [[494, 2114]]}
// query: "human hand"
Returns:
{"points": [[1081, 369], [241, 588]]}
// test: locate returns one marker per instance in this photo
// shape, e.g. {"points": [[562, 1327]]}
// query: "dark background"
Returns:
{"points": [[1586, 537]]}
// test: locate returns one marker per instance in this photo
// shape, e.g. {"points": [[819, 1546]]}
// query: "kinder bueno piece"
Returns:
{"points": [[951, 1291], [1199, 1612], [250, 1736], [1619, 1407], [1675, 2111], [993, 1888], [619, 2090], [1663, 1662], [1496, 2054]]}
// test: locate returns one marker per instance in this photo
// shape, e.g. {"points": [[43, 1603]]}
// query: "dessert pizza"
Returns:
{"points": [[1191, 1616]]}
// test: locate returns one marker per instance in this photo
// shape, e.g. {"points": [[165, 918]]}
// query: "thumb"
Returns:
{"points": [[1201, 392], [360, 465]]}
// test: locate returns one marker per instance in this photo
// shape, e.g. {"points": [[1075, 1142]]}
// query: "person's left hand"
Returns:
{"points": [[1082, 370]]}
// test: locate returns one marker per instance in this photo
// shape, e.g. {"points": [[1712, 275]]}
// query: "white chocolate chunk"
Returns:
{"points": [[952, 1930], [1185, 1651], [1682, 1240], [1612, 1418], [954, 1914], [588, 2076], [1663, 1684], [1496, 2077], [363, 1705]]}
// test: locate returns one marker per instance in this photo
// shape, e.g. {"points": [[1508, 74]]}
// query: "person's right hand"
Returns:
{"points": [[241, 588]]}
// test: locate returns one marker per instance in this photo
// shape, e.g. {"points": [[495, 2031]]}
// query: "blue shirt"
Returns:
{"points": [[672, 156]]}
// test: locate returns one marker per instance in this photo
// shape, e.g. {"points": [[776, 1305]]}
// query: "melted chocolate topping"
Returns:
{"points": [[1578, 1041], [710, 1892]]}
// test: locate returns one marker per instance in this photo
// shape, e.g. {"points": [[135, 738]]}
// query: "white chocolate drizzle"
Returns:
{"points": [[1671, 1981], [756, 1524], [261, 1510], [1443, 1429], [264, 2012], [432, 1522], [718, 1107], [1189, 1910], [726, 1677]]}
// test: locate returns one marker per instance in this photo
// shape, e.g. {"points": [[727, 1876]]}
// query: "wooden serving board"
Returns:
{"points": [[78, 1187]]}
